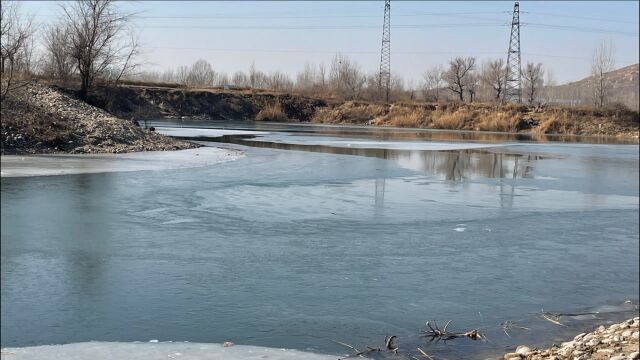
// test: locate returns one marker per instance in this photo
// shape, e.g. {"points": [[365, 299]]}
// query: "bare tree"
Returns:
{"points": [[433, 80], [240, 79], [455, 77], [345, 77], [222, 79], [471, 83], [98, 41], [201, 74], [182, 75], [168, 75], [549, 90], [253, 75], [411, 89], [16, 34], [533, 75], [59, 63], [280, 81], [603, 62], [492, 76], [306, 79], [322, 77]]}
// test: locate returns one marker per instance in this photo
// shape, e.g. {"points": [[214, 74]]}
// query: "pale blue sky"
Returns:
{"points": [[284, 35]]}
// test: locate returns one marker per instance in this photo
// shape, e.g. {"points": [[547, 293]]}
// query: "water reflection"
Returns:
{"points": [[452, 165]]}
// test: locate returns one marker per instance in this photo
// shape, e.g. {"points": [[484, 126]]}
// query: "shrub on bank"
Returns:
{"points": [[272, 112]]}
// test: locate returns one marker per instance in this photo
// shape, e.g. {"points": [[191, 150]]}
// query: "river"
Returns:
{"points": [[325, 234]]}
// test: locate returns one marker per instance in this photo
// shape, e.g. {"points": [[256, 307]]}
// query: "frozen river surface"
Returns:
{"points": [[294, 249]]}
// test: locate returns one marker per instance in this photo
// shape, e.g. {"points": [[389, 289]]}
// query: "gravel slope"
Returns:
{"points": [[43, 119]]}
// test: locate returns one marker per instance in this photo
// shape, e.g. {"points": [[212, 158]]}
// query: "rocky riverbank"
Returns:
{"points": [[40, 119], [616, 342]]}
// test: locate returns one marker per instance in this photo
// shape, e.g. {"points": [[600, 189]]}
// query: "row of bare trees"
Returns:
{"points": [[486, 82], [16, 47], [91, 40]]}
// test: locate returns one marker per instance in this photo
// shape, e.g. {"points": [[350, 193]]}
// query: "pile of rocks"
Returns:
{"points": [[617, 342], [43, 119]]}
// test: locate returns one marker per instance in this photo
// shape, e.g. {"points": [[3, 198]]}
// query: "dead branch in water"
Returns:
{"points": [[437, 334], [364, 352], [508, 325], [425, 354], [552, 318], [389, 343]]}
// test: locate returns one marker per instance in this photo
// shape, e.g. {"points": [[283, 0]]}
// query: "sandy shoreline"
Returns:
{"points": [[66, 164]]}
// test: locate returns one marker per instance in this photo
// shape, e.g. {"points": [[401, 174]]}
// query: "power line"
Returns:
{"points": [[579, 17], [319, 27], [325, 51], [581, 29], [221, 16]]}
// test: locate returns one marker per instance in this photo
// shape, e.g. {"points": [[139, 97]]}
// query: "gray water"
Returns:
{"points": [[306, 240]]}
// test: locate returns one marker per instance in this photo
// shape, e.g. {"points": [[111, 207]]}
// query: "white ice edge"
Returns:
{"points": [[390, 145], [155, 351], [198, 132], [65, 164]]}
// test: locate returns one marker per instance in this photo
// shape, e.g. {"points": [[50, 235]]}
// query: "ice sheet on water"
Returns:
{"points": [[381, 144], [43, 165], [198, 132], [159, 350]]}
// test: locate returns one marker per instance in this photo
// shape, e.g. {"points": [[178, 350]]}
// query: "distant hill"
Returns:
{"points": [[625, 84]]}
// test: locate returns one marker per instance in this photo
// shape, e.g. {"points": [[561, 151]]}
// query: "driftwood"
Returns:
{"points": [[508, 325], [358, 352], [424, 354], [437, 334], [554, 318], [389, 344]]}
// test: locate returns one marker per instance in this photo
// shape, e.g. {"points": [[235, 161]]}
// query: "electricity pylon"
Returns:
{"points": [[385, 55], [513, 72]]}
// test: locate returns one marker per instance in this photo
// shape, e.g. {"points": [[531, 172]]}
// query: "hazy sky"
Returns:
{"points": [[284, 35]]}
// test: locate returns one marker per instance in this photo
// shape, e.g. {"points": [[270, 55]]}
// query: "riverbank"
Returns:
{"points": [[40, 119], [616, 342], [512, 118]]}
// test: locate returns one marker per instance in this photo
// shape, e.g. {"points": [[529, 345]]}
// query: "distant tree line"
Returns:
{"points": [[92, 41]]}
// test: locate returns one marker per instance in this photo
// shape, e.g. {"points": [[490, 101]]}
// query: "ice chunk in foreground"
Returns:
{"points": [[154, 351]]}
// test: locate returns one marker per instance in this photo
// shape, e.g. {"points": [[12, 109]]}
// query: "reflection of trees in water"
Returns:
{"points": [[459, 165], [455, 165]]}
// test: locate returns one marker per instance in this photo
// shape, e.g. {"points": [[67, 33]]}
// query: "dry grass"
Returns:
{"points": [[272, 112], [501, 121], [456, 120], [558, 122], [411, 117], [351, 113]]}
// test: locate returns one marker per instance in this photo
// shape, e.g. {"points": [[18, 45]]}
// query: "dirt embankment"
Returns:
{"points": [[43, 119], [487, 117], [146, 102]]}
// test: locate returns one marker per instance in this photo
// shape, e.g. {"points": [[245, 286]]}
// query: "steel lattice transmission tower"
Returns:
{"points": [[385, 55], [513, 76]]}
